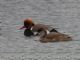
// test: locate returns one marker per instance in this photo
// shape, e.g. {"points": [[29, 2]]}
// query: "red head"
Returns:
{"points": [[28, 23]]}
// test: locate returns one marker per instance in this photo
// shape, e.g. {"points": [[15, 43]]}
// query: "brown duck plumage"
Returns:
{"points": [[53, 37], [36, 27]]}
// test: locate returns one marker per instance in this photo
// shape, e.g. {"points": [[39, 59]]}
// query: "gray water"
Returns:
{"points": [[63, 14]]}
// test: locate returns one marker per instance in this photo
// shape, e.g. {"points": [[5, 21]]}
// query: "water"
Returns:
{"points": [[63, 14]]}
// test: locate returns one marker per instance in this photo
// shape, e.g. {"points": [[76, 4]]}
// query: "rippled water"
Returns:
{"points": [[63, 14]]}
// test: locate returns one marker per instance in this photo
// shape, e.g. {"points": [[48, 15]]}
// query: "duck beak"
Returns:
{"points": [[22, 27]]}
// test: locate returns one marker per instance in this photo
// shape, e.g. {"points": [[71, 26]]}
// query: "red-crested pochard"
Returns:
{"points": [[29, 24]]}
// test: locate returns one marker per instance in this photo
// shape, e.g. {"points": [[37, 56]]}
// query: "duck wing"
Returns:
{"points": [[58, 37], [38, 26]]}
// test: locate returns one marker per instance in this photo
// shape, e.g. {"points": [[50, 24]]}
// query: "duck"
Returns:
{"points": [[30, 25], [47, 36]]}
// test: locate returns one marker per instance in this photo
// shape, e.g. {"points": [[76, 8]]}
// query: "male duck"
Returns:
{"points": [[30, 25]]}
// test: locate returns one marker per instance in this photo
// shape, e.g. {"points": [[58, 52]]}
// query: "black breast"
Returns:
{"points": [[28, 32]]}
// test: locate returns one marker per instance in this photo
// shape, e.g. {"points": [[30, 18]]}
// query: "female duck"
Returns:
{"points": [[47, 36]]}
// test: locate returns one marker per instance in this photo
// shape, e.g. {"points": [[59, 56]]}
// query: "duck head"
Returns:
{"points": [[28, 23]]}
